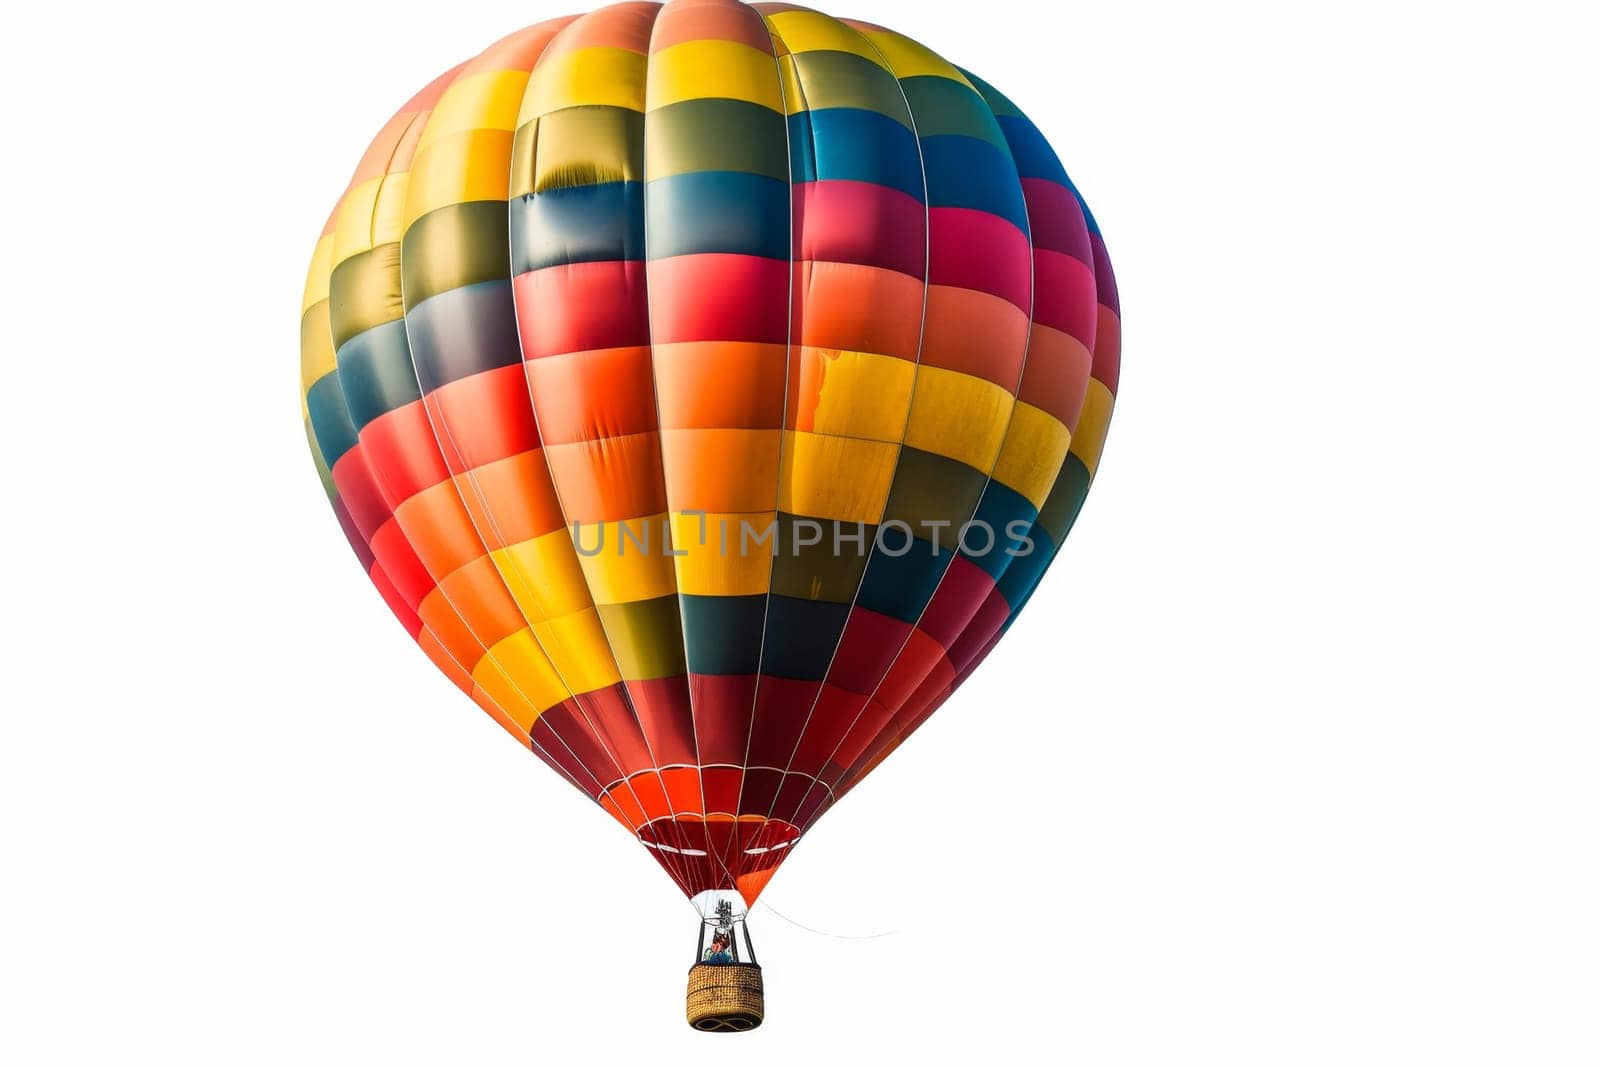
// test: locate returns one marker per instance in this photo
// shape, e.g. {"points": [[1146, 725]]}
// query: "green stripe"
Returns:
{"points": [[816, 572], [646, 635], [716, 134], [455, 246], [943, 106], [998, 102], [1066, 497], [590, 144], [929, 488], [842, 79], [364, 291]]}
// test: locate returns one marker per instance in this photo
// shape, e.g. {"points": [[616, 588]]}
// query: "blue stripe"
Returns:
{"points": [[966, 172], [462, 332], [577, 224], [375, 367], [852, 144], [718, 211], [1024, 573], [722, 634], [901, 586], [1033, 155], [1000, 507], [330, 420], [801, 636]]}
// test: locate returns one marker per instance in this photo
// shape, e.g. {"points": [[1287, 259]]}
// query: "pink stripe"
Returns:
{"points": [[1055, 219], [859, 222], [1064, 294], [980, 251]]}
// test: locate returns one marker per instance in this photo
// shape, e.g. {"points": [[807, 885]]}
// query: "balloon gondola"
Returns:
{"points": [[725, 989], [706, 387]]}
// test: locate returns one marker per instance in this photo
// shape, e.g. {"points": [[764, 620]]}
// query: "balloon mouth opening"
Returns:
{"points": [[719, 854], [709, 902]]}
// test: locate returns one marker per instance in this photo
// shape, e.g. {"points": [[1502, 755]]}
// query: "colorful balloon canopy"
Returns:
{"points": [[706, 387]]}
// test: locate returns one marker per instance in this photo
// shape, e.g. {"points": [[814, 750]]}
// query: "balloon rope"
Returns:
{"points": [[824, 933]]}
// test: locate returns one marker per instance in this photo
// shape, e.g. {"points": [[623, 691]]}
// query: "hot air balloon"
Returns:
{"points": [[706, 387]]}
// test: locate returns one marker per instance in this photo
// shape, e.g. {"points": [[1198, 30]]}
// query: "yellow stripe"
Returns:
{"points": [[734, 558], [908, 59], [854, 394], [630, 567], [1036, 444], [812, 31], [543, 576], [371, 215], [316, 347], [1090, 435], [469, 167], [696, 70], [640, 639], [352, 223], [317, 275], [507, 702], [488, 100], [835, 477], [577, 646], [388, 221], [612, 76], [794, 99], [959, 416], [527, 674]]}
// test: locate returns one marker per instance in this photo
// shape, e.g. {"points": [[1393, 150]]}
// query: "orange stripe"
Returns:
{"points": [[519, 51], [1057, 373], [975, 333], [625, 26], [710, 20], [512, 499], [450, 630], [478, 593], [439, 529], [860, 308], [582, 396], [448, 664], [721, 470], [710, 384], [614, 478]]}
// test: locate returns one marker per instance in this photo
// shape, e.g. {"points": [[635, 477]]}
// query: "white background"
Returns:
{"points": [[1293, 760]]}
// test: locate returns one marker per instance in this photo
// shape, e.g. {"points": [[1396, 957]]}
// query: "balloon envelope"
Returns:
{"points": [[705, 387]]}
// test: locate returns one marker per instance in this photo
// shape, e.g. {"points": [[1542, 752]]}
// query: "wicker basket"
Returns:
{"points": [[724, 997]]}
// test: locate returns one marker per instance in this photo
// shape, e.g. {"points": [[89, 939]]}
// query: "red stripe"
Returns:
{"points": [[400, 562], [397, 603], [719, 296], [961, 592], [403, 452], [484, 417], [576, 307], [359, 494]]}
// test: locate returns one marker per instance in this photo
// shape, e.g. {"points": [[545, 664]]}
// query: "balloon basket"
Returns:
{"points": [[725, 997]]}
